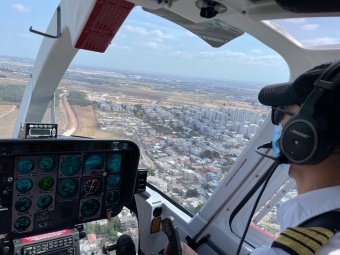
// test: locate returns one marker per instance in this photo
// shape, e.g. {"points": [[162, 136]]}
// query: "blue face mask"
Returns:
{"points": [[276, 148], [275, 142]]}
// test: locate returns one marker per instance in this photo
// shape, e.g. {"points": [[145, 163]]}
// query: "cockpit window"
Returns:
{"points": [[312, 31], [191, 108], [266, 218]]}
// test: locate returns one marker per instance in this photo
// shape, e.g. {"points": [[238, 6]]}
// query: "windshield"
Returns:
{"points": [[189, 107]]}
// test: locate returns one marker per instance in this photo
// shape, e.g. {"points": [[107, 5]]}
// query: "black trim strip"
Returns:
{"points": [[285, 248]]}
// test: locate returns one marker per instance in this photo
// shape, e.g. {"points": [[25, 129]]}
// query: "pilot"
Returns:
{"points": [[306, 115]]}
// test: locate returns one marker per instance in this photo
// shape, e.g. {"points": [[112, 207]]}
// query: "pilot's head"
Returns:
{"points": [[307, 112]]}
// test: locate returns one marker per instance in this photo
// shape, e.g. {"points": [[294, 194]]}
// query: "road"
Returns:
{"points": [[8, 111], [146, 160], [71, 124]]}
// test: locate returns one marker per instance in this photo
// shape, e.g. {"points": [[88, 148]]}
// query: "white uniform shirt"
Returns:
{"points": [[303, 207]]}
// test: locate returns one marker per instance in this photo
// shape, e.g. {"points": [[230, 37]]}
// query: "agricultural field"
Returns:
{"points": [[8, 115], [87, 125]]}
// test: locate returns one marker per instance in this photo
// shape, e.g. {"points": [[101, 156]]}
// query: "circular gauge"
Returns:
{"points": [[24, 185], [44, 201], [113, 181], [68, 188], [114, 162], [94, 163], [90, 208], [70, 165], [4, 166], [22, 223], [46, 183], [23, 204], [92, 186], [112, 197], [25, 165], [46, 164]]}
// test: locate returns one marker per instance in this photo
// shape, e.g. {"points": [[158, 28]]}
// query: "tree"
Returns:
{"points": [[113, 227], [176, 199], [151, 171], [11, 93], [205, 154], [197, 208], [179, 129], [215, 154], [209, 154], [178, 191], [192, 193], [90, 228], [78, 98], [116, 223], [225, 169], [206, 186]]}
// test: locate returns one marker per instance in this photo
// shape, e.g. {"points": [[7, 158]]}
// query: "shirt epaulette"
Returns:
{"points": [[303, 241]]}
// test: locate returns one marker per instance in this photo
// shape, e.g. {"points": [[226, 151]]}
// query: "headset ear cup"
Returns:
{"points": [[310, 136], [299, 140]]}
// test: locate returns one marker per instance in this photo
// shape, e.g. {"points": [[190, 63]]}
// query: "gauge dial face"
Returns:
{"points": [[94, 163], [46, 164], [23, 204], [112, 197], [92, 186], [68, 188], [25, 165], [22, 223], [24, 185], [44, 201], [113, 181], [70, 166], [46, 183], [90, 208], [114, 163]]}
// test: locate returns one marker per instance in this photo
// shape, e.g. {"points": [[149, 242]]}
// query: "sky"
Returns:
{"points": [[148, 44]]}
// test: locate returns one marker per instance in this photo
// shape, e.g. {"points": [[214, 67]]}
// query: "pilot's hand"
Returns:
{"points": [[186, 250]]}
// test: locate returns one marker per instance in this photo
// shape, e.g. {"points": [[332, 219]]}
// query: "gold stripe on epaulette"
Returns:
{"points": [[304, 241], [323, 231]]}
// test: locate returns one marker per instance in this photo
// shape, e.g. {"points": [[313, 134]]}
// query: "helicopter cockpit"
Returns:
{"points": [[167, 149]]}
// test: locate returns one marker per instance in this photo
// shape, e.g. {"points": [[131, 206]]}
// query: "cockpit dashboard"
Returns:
{"points": [[53, 184]]}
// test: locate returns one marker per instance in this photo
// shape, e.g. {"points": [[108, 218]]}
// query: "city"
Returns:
{"points": [[187, 148]]}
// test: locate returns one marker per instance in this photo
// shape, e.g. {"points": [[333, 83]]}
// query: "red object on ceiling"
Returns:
{"points": [[105, 19]]}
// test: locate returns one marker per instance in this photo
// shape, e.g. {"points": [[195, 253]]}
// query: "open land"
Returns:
{"points": [[153, 113]]}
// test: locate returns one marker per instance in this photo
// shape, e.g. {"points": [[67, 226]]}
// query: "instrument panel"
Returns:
{"points": [[50, 184]]}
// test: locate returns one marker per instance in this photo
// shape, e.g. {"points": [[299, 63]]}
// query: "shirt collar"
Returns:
{"points": [[308, 205]]}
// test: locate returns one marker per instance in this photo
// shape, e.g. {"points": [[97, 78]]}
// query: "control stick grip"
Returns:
{"points": [[171, 230]]}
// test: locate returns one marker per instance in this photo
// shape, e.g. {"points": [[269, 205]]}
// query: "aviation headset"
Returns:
{"points": [[309, 137]]}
